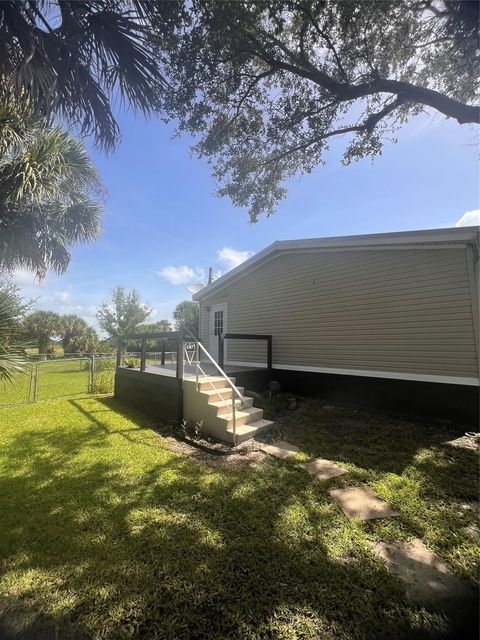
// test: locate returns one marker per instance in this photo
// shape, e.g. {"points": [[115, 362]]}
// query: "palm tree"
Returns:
{"points": [[12, 347], [49, 192], [69, 59], [76, 335], [40, 327]]}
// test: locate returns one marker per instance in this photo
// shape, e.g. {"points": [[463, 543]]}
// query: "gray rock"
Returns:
{"points": [[292, 404], [274, 387], [258, 400]]}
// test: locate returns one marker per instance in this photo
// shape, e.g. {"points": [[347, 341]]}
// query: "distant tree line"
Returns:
{"points": [[42, 329], [122, 315]]}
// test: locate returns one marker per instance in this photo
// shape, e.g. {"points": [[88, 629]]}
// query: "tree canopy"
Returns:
{"points": [[41, 327], [72, 60], [265, 86], [76, 335], [186, 317], [123, 313], [50, 193], [155, 327]]}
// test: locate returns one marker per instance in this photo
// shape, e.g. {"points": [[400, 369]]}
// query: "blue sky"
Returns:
{"points": [[163, 226]]}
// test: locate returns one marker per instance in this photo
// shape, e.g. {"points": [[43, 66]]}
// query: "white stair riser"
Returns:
{"points": [[227, 406], [245, 419], [223, 394], [206, 385], [241, 437]]}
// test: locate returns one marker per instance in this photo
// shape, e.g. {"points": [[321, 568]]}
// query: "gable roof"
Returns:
{"points": [[448, 236]]}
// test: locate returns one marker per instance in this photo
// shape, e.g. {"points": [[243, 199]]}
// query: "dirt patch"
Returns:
{"points": [[216, 454]]}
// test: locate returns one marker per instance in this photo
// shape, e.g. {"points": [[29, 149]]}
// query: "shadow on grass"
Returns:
{"points": [[106, 534], [376, 440]]}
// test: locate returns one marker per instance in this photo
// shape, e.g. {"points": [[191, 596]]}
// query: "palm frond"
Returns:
{"points": [[49, 196], [75, 69], [12, 347]]}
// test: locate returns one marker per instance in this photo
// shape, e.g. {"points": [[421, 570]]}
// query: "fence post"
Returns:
{"points": [[180, 359], [35, 384], [32, 373], [143, 355], [92, 373], [119, 353], [179, 373], [162, 362]]}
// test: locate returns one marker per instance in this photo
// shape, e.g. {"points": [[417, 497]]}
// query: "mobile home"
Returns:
{"points": [[385, 319]]}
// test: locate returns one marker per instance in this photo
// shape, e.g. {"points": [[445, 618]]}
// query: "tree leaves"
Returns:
{"points": [[264, 86], [12, 345], [73, 59], [186, 317], [49, 194], [123, 313]]}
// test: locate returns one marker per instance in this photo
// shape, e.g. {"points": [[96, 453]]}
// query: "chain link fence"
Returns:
{"points": [[46, 379]]}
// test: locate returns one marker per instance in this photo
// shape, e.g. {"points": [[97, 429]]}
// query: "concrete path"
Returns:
{"points": [[361, 503], [280, 449], [426, 576], [321, 469]]}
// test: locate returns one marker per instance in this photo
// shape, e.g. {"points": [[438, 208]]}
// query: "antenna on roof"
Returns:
{"points": [[212, 276]]}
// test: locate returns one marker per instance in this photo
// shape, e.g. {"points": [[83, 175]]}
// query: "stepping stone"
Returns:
{"points": [[362, 503], [426, 576], [470, 440], [321, 469], [280, 449]]}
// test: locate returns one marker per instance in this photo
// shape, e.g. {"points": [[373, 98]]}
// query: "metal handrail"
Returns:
{"points": [[199, 346], [222, 372]]}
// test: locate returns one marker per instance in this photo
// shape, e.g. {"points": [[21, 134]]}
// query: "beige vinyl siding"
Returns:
{"points": [[406, 311], [204, 325]]}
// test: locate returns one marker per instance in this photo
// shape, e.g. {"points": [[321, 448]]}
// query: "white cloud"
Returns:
{"points": [[469, 218], [181, 274], [63, 296], [232, 257], [25, 278]]}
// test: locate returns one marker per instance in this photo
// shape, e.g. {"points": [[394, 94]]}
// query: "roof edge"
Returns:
{"points": [[460, 235]]}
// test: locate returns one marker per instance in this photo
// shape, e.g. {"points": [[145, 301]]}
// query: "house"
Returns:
{"points": [[390, 320]]}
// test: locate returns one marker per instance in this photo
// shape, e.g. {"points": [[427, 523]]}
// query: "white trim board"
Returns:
{"points": [[366, 373]]}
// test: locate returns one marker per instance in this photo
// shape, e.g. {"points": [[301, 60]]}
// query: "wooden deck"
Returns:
{"points": [[189, 370]]}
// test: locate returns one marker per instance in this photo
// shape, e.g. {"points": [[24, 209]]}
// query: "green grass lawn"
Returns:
{"points": [[56, 379], [106, 533]]}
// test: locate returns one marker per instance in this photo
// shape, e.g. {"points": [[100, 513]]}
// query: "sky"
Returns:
{"points": [[164, 227]]}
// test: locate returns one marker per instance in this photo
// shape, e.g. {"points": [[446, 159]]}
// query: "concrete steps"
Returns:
{"points": [[211, 404], [223, 407], [220, 393], [247, 431]]}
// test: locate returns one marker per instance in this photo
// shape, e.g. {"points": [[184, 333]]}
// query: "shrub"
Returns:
{"points": [[132, 363], [105, 364], [191, 430], [103, 383]]}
